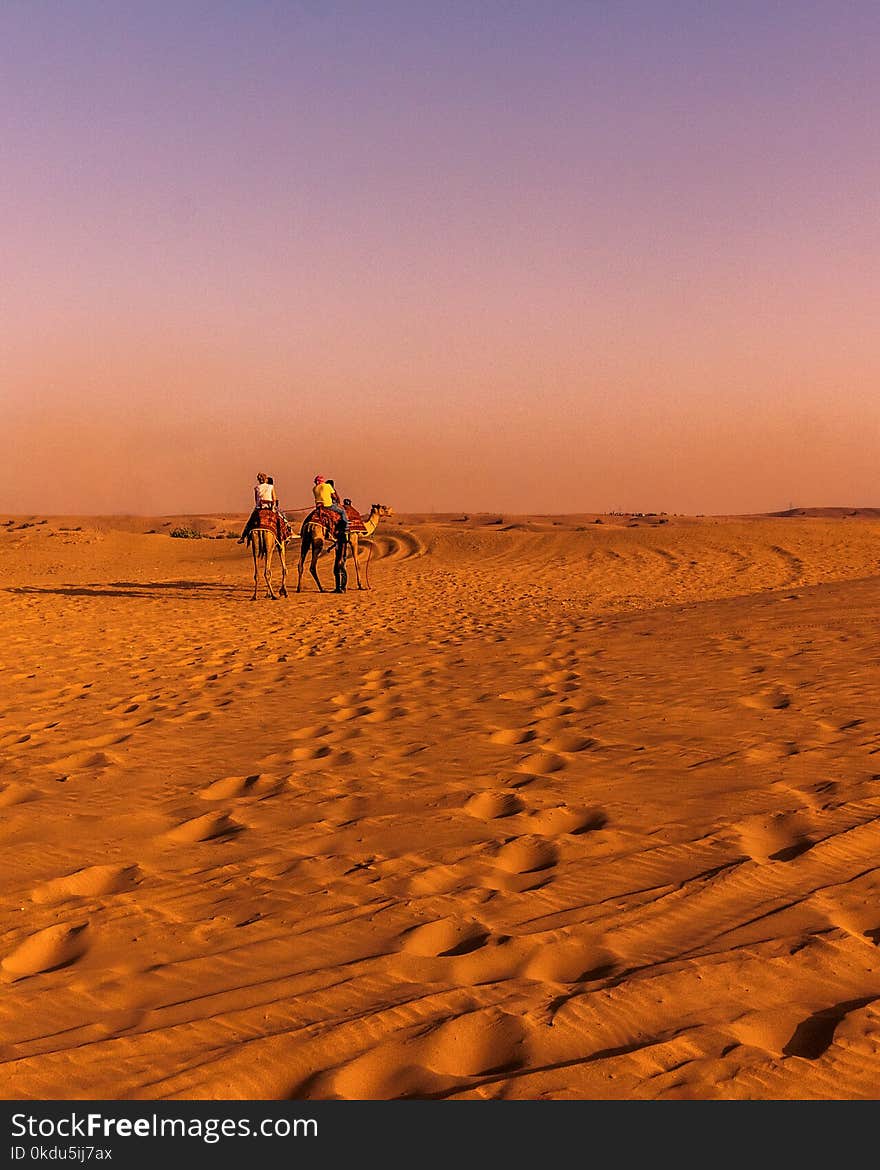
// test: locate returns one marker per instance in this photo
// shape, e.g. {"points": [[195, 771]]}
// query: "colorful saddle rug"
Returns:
{"points": [[274, 522], [355, 519], [325, 517]]}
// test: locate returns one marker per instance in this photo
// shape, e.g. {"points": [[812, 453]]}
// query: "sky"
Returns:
{"points": [[524, 257]]}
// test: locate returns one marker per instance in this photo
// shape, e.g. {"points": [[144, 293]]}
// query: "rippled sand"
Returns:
{"points": [[557, 809]]}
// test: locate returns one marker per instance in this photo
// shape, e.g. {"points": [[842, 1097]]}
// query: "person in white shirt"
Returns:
{"points": [[264, 491], [264, 497]]}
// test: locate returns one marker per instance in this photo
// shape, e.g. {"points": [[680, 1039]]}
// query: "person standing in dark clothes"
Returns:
{"points": [[339, 570]]}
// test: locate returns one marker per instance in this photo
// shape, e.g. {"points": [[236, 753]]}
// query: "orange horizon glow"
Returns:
{"points": [[549, 261]]}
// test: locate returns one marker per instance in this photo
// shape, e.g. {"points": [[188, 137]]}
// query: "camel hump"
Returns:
{"points": [[273, 523], [326, 517], [355, 519]]}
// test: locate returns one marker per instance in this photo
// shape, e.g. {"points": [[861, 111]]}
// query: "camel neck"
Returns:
{"points": [[372, 522]]}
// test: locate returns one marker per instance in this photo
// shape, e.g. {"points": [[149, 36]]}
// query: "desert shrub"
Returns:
{"points": [[185, 534]]}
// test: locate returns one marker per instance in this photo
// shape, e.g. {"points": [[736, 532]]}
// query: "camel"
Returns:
{"points": [[263, 544], [371, 523], [314, 540]]}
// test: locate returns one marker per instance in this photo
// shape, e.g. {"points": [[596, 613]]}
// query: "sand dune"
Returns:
{"points": [[558, 809]]}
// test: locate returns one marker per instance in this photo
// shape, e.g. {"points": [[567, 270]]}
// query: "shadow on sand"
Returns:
{"points": [[129, 589]]}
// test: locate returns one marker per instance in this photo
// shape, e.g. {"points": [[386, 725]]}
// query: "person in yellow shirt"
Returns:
{"points": [[327, 497], [323, 492]]}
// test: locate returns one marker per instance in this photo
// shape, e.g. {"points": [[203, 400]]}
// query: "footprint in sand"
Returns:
{"points": [[459, 1048], [525, 855], [439, 879], [490, 805], [346, 713], [337, 811], [768, 1031], [43, 726], [208, 827], [91, 757], [57, 946], [519, 779], [570, 960], [125, 707], [478, 1042], [541, 763], [776, 837], [93, 761], [316, 752], [388, 1072], [235, 787], [550, 726], [343, 759], [318, 731], [555, 677], [570, 743], [550, 822], [16, 793], [772, 699], [522, 864], [383, 714], [555, 710], [513, 735], [762, 753], [835, 726], [444, 938], [527, 694], [92, 882], [586, 701]]}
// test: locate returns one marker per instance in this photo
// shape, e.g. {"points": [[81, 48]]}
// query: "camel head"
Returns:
{"points": [[382, 509]]}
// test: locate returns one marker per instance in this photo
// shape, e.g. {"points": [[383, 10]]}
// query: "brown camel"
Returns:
{"points": [[264, 544], [315, 541]]}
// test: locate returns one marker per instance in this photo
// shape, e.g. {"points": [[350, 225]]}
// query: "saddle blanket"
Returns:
{"points": [[325, 517], [274, 522], [329, 519], [355, 520]]}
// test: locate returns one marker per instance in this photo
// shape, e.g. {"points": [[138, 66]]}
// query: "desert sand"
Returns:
{"points": [[557, 810]]}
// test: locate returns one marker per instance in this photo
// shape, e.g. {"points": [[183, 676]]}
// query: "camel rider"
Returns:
{"points": [[264, 497], [326, 497], [336, 506], [323, 492]]}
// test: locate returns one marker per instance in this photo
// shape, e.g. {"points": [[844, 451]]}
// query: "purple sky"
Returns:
{"points": [[487, 256]]}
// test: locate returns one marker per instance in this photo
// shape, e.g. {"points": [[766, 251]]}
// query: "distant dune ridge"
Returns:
{"points": [[564, 807], [832, 513]]}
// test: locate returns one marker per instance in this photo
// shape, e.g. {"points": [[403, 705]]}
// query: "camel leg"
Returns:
{"points": [[256, 566], [313, 567], [303, 553], [355, 549], [283, 557], [270, 593]]}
